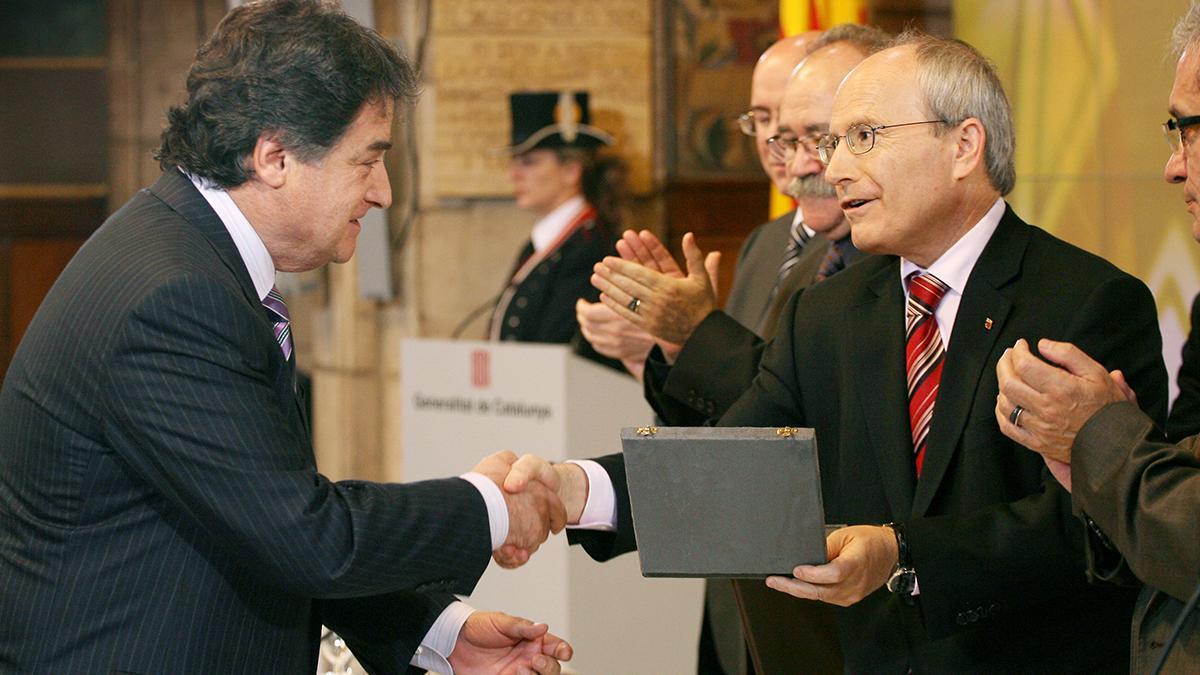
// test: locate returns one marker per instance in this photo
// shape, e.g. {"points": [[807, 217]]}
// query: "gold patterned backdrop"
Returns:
{"points": [[1089, 81], [483, 50], [714, 45]]}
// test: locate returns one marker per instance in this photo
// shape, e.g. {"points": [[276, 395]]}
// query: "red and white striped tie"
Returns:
{"points": [[923, 355]]}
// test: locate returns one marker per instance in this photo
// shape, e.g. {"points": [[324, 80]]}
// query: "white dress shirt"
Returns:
{"points": [[799, 218], [953, 268], [546, 231], [438, 643]]}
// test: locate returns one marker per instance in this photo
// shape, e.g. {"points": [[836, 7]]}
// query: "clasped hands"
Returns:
{"points": [[1044, 399], [542, 498], [494, 642]]}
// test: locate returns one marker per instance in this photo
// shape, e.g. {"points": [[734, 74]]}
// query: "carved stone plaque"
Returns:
{"points": [[483, 50]]}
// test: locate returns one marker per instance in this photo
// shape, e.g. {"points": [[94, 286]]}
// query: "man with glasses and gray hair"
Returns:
{"points": [[706, 357], [1137, 493], [768, 256], [773, 254], [961, 552]]}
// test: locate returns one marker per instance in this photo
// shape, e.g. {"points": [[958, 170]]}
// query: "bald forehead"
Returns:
{"points": [[882, 83], [780, 58], [822, 72]]}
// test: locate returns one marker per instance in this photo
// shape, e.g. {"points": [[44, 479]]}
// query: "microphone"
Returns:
{"points": [[474, 314]]}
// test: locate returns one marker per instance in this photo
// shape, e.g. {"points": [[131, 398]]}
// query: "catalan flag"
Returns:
{"points": [[799, 16]]}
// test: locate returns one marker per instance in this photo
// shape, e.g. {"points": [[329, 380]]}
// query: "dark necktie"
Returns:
{"points": [[280, 321], [834, 260], [923, 356]]}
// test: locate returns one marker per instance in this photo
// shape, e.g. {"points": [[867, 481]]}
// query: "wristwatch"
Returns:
{"points": [[903, 579]]}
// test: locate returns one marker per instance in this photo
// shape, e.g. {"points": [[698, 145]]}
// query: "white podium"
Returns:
{"points": [[464, 400]]}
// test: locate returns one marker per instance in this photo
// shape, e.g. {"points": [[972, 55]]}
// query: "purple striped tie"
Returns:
{"points": [[281, 322]]}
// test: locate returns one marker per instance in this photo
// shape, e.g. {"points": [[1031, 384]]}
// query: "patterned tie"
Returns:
{"points": [[281, 322], [834, 260], [923, 355], [797, 238]]}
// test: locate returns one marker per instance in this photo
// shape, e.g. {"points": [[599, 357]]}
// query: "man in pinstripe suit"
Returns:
{"points": [[160, 510]]}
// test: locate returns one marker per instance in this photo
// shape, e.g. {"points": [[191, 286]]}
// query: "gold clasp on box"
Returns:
{"points": [[786, 432], [647, 431]]}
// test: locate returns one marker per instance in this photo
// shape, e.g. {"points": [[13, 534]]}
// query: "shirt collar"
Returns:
{"points": [[249, 245], [799, 218], [546, 230], [955, 265]]}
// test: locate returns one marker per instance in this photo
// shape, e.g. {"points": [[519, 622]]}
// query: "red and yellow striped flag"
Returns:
{"points": [[799, 16]]}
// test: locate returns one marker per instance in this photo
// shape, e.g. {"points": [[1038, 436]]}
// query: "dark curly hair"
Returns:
{"points": [[299, 68]]}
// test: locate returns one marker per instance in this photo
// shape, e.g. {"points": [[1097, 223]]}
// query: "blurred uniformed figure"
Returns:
{"points": [[557, 175]]}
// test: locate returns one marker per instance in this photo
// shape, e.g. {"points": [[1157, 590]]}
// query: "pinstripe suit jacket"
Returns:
{"points": [[160, 510]]}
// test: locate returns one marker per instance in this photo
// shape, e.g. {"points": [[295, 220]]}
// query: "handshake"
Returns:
{"points": [[542, 498]]}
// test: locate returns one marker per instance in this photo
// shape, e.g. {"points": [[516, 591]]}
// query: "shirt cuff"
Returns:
{"points": [[438, 644], [600, 509], [496, 508]]}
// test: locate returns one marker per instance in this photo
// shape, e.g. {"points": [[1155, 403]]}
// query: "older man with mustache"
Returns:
{"points": [[706, 358]]}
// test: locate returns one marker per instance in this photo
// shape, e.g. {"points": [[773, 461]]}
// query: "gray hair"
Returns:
{"points": [[960, 83], [868, 39], [1187, 31]]}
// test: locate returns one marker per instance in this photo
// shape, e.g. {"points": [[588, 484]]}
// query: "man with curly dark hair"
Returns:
{"points": [[160, 506]]}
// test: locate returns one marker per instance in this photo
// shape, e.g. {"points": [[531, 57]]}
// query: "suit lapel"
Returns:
{"points": [[800, 276], [970, 349], [877, 332], [176, 191], [757, 267]]}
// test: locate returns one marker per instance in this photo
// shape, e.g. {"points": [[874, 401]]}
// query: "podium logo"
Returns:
{"points": [[481, 369]]}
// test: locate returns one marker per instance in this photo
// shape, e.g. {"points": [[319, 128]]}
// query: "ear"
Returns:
{"points": [[270, 160], [969, 140]]}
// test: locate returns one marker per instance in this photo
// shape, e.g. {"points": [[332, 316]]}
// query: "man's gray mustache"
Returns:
{"points": [[812, 186]]}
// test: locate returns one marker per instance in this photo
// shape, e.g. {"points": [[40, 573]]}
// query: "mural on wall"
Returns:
{"points": [[714, 45], [484, 50], [1088, 81]]}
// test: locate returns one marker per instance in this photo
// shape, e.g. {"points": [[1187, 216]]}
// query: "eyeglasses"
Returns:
{"points": [[784, 148], [860, 138], [748, 121], [1174, 130]]}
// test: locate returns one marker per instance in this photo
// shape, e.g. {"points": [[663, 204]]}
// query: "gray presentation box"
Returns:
{"points": [[724, 502]]}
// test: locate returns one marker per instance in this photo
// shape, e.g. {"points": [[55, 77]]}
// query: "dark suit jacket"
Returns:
{"points": [[1184, 420], [1145, 496], [999, 556], [543, 307], [160, 510], [757, 266]]}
